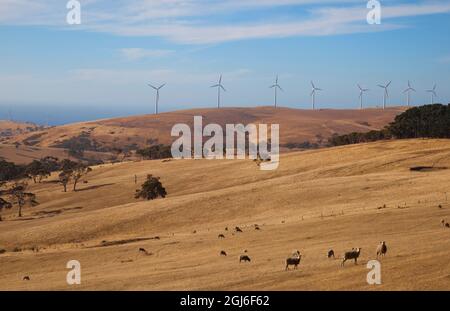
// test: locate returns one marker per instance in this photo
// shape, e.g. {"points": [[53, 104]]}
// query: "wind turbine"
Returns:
{"points": [[276, 86], [433, 93], [219, 87], [408, 91], [386, 93], [361, 93], [313, 95], [157, 95]]}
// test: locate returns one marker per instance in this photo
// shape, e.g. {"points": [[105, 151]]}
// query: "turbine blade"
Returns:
{"points": [[359, 86], [387, 85], [162, 86], [152, 86], [312, 84], [382, 86], [280, 88], [221, 86]]}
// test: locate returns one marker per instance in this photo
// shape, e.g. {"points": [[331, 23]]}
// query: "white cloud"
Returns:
{"points": [[200, 22], [135, 54]]}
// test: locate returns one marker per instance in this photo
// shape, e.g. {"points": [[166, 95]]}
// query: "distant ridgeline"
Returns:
{"points": [[430, 121]]}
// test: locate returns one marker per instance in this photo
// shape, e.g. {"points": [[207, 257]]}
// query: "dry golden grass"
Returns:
{"points": [[296, 125], [315, 201]]}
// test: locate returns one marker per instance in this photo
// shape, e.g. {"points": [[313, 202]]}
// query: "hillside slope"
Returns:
{"points": [[352, 196], [296, 126]]}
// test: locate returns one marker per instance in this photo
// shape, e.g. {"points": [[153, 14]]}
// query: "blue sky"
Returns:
{"points": [[49, 69]]}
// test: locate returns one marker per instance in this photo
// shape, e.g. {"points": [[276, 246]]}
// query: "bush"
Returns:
{"points": [[151, 189]]}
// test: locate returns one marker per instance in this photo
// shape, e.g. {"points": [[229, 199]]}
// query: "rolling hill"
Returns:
{"points": [[340, 198], [296, 126]]}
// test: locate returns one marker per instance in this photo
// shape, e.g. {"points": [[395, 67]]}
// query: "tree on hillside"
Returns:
{"points": [[155, 152], [64, 178], [37, 171], [71, 170], [3, 203], [79, 172], [151, 189], [19, 196], [430, 121], [10, 171]]}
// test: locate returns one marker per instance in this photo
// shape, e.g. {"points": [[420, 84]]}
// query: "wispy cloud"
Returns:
{"points": [[207, 21], [135, 54]]}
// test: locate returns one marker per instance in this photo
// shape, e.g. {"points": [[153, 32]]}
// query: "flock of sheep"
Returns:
{"points": [[295, 258]]}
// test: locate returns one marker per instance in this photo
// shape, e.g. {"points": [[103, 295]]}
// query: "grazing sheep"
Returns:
{"points": [[144, 251], [382, 249], [331, 254], [238, 229], [244, 258], [221, 236], [194, 232], [226, 228], [257, 228], [26, 278], [443, 222], [223, 253], [353, 254], [294, 260], [447, 225]]}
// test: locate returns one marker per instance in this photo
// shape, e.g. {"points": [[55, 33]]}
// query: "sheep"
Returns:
{"points": [[353, 254], [238, 229], [244, 258], [331, 254], [221, 236], [144, 251], [447, 225], [223, 253], [257, 228], [382, 249], [26, 278], [294, 260], [226, 228], [443, 222]]}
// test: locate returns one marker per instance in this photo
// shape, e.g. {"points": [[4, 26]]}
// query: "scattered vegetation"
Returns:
{"points": [[155, 152], [151, 189], [17, 195], [429, 121]]}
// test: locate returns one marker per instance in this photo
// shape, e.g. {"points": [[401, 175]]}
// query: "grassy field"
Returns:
{"points": [[339, 198]]}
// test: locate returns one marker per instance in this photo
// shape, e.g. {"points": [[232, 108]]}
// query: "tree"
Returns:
{"points": [[64, 178], [151, 189], [10, 171], [37, 171], [19, 195], [155, 152], [78, 172], [3, 203]]}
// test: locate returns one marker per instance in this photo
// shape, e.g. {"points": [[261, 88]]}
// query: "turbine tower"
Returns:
{"points": [[433, 93], [361, 93], [386, 93], [313, 95], [219, 87], [157, 95], [276, 86], [408, 92]]}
